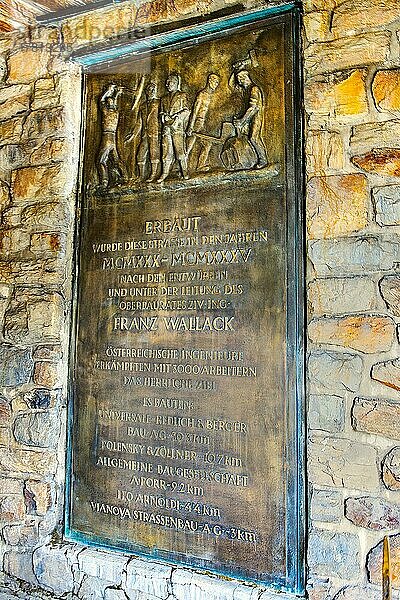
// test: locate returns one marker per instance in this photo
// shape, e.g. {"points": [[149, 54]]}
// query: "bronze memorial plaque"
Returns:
{"points": [[186, 394]]}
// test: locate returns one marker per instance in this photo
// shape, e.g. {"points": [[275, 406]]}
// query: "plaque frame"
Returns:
{"points": [[103, 59]]}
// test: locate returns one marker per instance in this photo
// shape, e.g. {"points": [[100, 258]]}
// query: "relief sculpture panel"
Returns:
{"points": [[185, 406]]}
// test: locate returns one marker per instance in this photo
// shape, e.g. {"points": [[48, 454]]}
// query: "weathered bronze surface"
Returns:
{"points": [[186, 369]]}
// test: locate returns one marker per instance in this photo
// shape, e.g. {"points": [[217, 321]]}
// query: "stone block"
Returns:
{"points": [[48, 215], [114, 594], [41, 494], [45, 94], [334, 554], [5, 436], [38, 429], [387, 373], [324, 152], [92, 588], [5, 198], [14, 100], [153, 579], [10, 486], [391, 469], [46, 374], [316, 25], [12, 508], [16, 366], [383, 161], [26, 65], [337, 205], [41, 183], [364, 333], [346, 53], [332, 372], [5, 410], [51, 150], [11, 131], [106, 566], [53, 570], [386, 90], [187, 584], [374, 562], [373, 513], [363, 15], [25, 536], [32, 318], [389, 287], [19, 565], [353, 255], [355, 593], [47, 243], [48, 352], [387, 205], [335, 296], [378, 416], [326, 413], [339, 97], [47, 122], [342, 463], [326, 506], [371, 136], [13, 241], [28, 462]]}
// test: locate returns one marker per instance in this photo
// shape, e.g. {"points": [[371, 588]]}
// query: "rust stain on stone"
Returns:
{"points": [[382, 161]]}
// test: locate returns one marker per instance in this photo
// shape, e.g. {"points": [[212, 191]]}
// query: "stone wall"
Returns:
{"points": [[352, 104]]}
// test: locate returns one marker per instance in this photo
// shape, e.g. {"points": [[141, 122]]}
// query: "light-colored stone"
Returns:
{"points": [[106, 566], [12, 508], [92, 588], [355, 593], [342, 463], [19, 564], [368, 334], [363, 15], [39, 429], [47, 243], [50, 150], [41, 493], [40, 183], [24, 536], [378, 416], [374, 563], [386, 90], [29, 462], [45, 123], [391, 469], [373, 513], [48, 215], [387, 204], [371, 136], [153, 579], [316, 25], [341, 54], [389, 287], [387, 373], [14, 100], [114, 594], [326, 413], [334, 554], [5, 198], [186, 584], [337, 205], [26, 65], [354, 255], [33, 318], [384, 162], [48, 563], [335, 296], [340, 97], [334, 372], [45, 94], [324, 152], [326, 506]]}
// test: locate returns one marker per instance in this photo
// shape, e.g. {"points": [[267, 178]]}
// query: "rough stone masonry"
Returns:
{"points": [[352, 118]]}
